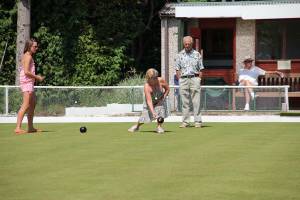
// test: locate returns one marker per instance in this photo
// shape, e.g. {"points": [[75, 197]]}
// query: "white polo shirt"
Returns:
{"points": [[251, 74]]}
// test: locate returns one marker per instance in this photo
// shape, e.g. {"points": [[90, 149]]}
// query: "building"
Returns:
{"points": [[226, 32]]}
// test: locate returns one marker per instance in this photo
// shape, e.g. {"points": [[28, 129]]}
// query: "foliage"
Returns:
{"points": [[290, 114], [2, 104], [96, 64], [8, 24], [135, 80], [14, 100], [49, 59], [133, 95], [86, 42]]}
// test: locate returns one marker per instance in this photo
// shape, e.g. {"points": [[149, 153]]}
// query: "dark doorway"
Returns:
{"points": [[217, 45]]}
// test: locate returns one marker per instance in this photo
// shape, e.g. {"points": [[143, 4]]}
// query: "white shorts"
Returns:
{"points": [[253, 81]]}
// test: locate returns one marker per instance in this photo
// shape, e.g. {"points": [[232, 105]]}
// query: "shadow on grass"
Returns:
{"points": [[47, 131], [40, 132], [193, 127], [156, 132], [203, 126]]}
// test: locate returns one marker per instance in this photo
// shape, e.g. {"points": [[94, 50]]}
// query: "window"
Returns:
{"points": [[293, 40], [277, 39]]}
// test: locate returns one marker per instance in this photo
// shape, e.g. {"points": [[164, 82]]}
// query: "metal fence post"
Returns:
{"points": [[286, 97], [6, 100], [132, 99], [229, 99]]}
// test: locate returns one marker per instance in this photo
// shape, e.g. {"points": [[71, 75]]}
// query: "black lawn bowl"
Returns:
{"points": [[83, 129], [160, 120]]}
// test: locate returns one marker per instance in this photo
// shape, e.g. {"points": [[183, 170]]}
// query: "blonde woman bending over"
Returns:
{"points": [[156, 90]]}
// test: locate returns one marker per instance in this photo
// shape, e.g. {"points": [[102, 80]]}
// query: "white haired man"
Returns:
{"points": [[188, 66]]}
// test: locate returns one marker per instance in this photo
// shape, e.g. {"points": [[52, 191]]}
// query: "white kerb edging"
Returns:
{"points": [[207, 118]]}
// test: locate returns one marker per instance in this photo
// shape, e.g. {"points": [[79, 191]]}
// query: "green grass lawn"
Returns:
{"points": [[222, 161]]}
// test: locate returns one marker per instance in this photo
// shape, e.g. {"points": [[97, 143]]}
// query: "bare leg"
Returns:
{"points": [[23, 109], [247, 96], [159, 128], [159, 125], [138, 125], [135, 127], [30, 114], [248, 91]]}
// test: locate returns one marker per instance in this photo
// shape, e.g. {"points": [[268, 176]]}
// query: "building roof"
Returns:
{"points": [[239, 9], [168, 10]]}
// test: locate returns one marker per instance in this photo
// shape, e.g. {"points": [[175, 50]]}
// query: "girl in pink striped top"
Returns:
{"points": [[27, 79]]}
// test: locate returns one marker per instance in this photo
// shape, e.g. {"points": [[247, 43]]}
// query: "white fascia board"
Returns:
{"points": [[278, 11]]}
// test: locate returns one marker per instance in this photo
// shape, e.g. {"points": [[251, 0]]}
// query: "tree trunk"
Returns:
{"points": [[23, 31]]}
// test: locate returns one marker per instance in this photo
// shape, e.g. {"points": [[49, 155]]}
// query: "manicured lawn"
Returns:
{"points": [[222, 161]]}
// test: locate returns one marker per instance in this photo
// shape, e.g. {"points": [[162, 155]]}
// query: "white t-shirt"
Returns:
{"points": [[251, 74]]}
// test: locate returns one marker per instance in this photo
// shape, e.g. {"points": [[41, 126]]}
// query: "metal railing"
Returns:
{"points": [[93, 100]]}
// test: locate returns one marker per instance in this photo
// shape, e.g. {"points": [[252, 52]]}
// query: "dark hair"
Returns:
{"points": [[28, 44]]}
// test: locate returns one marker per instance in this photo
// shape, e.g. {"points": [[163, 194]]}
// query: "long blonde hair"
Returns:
{"points": [[151, 74]]}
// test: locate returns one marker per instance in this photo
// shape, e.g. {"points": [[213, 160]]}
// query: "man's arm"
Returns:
{"points": [[200, 65], [200, 74], [177, 67], [178, 74], [276, 72], [236, 79]]}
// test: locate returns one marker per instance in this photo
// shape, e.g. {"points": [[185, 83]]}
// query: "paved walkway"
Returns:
{"points": [[206, 118]]}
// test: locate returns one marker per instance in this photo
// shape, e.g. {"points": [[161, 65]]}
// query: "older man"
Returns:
{"points": [[188, 66]]}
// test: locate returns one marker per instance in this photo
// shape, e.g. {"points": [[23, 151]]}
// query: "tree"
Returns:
{"points": [[23, 31], [122, 38], [8, 24]]}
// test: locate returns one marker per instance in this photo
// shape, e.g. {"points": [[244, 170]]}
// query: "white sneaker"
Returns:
{"points": [[198, 124], [253, 95], [133, 129], [184, 125], [160, 130], [247, 107]]}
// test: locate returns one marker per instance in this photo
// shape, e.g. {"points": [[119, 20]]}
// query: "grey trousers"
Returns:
{"points": [[190, 89]]}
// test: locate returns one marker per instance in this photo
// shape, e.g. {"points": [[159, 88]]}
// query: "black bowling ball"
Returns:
{"points": [[83, 129], [160, 120]]}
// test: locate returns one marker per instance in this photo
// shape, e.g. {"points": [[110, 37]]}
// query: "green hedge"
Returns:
{"points": [[290, 114]]}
